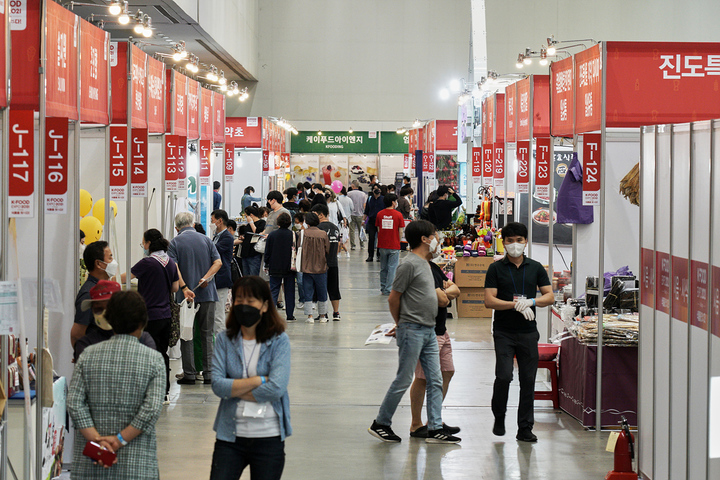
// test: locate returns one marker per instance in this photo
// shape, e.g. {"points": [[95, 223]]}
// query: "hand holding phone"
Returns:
{"points": [[100, 454]]}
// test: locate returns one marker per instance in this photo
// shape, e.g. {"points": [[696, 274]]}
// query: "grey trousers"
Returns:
{"points": [[204, 319], [356, 224], [220, 315]]}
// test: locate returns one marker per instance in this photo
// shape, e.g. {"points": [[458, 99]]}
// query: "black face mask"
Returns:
{"points": [[268, 205], [376, 192], [246, 315]]}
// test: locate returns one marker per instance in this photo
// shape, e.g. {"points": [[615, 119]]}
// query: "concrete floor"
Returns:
{"points": [[336, 388]]}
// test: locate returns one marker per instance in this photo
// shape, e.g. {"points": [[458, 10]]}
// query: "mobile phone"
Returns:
{"points": [[97, 452]]}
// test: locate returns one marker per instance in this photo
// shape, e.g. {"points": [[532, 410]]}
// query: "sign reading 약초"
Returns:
{"points": [[334, 142]]}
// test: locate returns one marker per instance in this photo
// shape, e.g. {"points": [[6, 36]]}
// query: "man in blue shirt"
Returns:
{"points": [[217, 198], [198, 261], [374, 204]]}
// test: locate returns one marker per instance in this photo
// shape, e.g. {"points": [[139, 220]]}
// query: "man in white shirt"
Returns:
{"points": [[358, 198]]}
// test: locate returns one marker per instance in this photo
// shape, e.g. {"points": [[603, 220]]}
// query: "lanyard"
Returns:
{"points": [[247, 361], [513, 279]]}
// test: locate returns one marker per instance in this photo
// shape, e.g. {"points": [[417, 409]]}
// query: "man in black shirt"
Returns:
{"points": [[511, 286], [442, 208], [373, 205], [291, 205], [333, 277]]}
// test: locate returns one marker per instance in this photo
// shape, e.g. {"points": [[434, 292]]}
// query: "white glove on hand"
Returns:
{"points": [[523, 304], [528, 314]]}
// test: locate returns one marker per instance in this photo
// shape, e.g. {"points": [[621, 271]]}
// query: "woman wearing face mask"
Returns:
{"points": [[251, 371], [250, 259], [157, 276]]}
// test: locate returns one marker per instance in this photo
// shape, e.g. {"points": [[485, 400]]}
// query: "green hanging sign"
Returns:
{"points": [[393, 142], [334, 142]]}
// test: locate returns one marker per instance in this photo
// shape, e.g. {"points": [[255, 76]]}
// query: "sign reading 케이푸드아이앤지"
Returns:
{"points": [[334, 142]]}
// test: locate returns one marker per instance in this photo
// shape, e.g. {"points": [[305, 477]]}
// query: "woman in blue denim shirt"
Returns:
{"points": [[251, 370]]}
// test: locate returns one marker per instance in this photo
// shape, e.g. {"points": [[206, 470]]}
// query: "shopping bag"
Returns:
{"points": [[298, 255], [187, 319], [363, 235], [344, 234]]}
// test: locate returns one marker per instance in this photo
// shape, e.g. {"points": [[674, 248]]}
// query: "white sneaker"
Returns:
{"points": [[167, 400], [300, 305], [310, 320], [347, 254], [323, 319]]}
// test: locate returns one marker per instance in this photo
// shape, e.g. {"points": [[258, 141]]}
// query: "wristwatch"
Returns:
{"points": [[183, 287]]}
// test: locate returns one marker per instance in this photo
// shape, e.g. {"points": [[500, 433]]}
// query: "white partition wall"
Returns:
{"points": [[714, 339]]}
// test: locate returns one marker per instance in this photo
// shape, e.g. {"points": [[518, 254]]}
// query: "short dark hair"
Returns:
{"points": [[307, 185], [216, 185], [232, 224], [300, 186], [270, 324], [284, 220], [442, 190], [318, 186], [389, 199], [406, 190], [391, 187], [156, 239], [305, 205], [321, 208], [82, 234], [343, 191], [252, 210], [416, 230], [291, 192], [275, 195], [406, 178], [94, 251], [221, 215], [515, 229], [126, 312], [299, 216], [249, 189], [311, 219]]}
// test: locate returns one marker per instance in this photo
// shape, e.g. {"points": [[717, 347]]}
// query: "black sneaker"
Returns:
{"points": [[280, 305], [526, 435], [207, 381], [336, 317], [451, 430], [441, 436], [499, 427], [369, 259], [290, 320], [186, 381], [420, 432], [383, 432]]}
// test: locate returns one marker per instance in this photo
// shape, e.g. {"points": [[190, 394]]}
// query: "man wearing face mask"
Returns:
{"points": [[223, 241], [100, 264], [511, 286], [374, 204], [275, 200]]}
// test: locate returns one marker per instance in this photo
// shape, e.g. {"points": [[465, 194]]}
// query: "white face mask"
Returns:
{"points": [[213, 228], [112, 268], [433, 245], [515, 249]]}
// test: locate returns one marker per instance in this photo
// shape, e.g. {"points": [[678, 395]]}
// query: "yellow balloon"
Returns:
{"points": [[85, 202], [98, 210], [92, 228]]}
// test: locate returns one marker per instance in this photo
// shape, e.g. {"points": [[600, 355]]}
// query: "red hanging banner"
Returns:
{"points": [[204, 152], [523, 110], [499, 167], [446, 135], [662, 282], [118, 163], [219, 115], [171, 162], [476, 165], [699, 272], [56, 164], [541, 105], [715, 305], [488, 166], [138, 75], [244, 132], [562, 106], [138, 163], [680, 288], [182, 164], [62, 54], [542, 168], [428, 166], [523, 172], [118, 79], [499, 127], [510, 123], [22, 163], [265, 162], [94, 74], [489, 126], [647, 280], [588, 90], [178, 103], [406, 161], [25, 40], [193, 99], [591, 168], [229, 162], [3, 56], [206, 97], [155, 95]]}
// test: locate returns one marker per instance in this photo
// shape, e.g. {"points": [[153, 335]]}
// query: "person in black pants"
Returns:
{"points": [[442, 208], [278, 260], [511, 286], [374, 204]]}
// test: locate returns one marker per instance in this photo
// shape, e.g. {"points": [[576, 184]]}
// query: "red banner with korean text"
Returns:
{"points": [[62, 57], [193, 105], [265, 162], [56, 165], [562, 97], [206, 114], [182, 164], [178, 103], [522, 119], [591, 168], [499, 127], [94, 74], [647, 277], [3, 56], [489, 125], [22, 163], [204, 152], [138, 74], [446, 135], [699, 272], [588, 90], [156, 95], [118, 163], [244, 132], [118, 81], [139, 163], [680, 288], [25, 40], [499, 166], [662, 282], [541, 105], [510, 117], [171, 163], [542, 168], [715, 305], [431, 135], [476, 165], [523, 172], [219, 116], [488, 166], [428, 166], [229, 162]]}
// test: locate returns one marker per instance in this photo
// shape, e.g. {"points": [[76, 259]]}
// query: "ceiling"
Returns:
{"points": [[171, 25]]}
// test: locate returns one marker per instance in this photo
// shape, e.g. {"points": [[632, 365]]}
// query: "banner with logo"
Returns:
{"points": [[118, 81], [25, 40], [523, 110], [243, 132], [335, 142], [118, 163], [156, 95], [562, 97], [219, 116], [499, 127], [138, 162], [591, 168], [94, 74], [541, 105], [178, 102], [393, 142], [510, 120], [489, 121], [206, 114], [56, 165], [523, 162]]}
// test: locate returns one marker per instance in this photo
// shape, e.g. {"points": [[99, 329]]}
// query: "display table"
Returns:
{"points": [[577, 381]]}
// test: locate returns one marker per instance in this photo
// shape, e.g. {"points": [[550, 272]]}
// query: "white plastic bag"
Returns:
{"points": [[344, 234], [187, 319], [363, 235]]}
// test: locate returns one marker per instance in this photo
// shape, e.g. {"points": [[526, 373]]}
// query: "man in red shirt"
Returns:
{"points": [[389, 223]]}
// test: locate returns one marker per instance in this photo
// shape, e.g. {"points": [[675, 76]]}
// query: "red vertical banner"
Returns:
{"points": [[139, 162], [715, 308], [25, 40], [156, 95], [488, 166], [591, 168], [182, 164], [699, 272], [562, 99], [193, 99], [204, 152], [171, 162], [680, 288], [499, 167], [647, 277], [118, 163], [489, 127], [428, 166], [94, 74], [56, 164], [118, 79], [138, 77], [510, 122], [285, 161], [662, 282], [206, 114], [62, 56], [476, 165], [541, 105], [22, 163], [229, 162], [588, 90], [523, 172], [265, 162], [3, 56], [179, 104], [542, 168], [219, 116], [522, 119], [406, 161], [499, 127]]}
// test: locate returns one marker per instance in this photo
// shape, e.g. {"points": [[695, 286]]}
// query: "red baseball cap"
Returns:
{"points": [[100, 292]]}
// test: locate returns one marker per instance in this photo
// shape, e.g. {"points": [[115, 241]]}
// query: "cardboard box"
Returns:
{"points": [[471, 271], [471, 303]]}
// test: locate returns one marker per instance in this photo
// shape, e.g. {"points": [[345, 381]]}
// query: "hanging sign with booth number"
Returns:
{"points": [[476, 166], [523, 173], [487, 165], [428, 166], [22, 163], [542, 168], [205, 150], [182, 164], [171, 163], [266, 162], [591, 168], [56, 164], [229, 163], [499, 167], [118, 163], [138, 163]]}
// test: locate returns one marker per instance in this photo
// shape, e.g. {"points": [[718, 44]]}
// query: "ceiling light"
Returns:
{"points": [[543, 57], [139, 27], [319, 132], [223, 88], [519, 63], [444, 94], [400, 130], [222, 80], [551, 51], [177, 56], [147, 27], [212, 75], [350, 131], [124, 19], [115, 8], [417, 124], [527, 60]]}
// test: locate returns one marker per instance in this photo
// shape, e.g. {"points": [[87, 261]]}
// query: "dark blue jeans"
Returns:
{"points": [[266, 457], [289, 282], [251, 265], [315, 283]]}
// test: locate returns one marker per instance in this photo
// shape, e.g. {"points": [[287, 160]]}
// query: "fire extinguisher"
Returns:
{"points": [[624, 455]]}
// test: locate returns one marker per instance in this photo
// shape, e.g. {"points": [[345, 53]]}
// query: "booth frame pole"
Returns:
{"points": [[106, 232], [573, 264], [163, 214], [76, 160], [4, 234], [671, 129], [551, 230], [690, 301], [128, 166], [655, 237], [532, 165], [601, 249], [711, 259], [642, 273]]}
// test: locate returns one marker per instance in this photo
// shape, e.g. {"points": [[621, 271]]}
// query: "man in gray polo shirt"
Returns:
{"points": [[358, 198], [198, 261], [413, 305]]}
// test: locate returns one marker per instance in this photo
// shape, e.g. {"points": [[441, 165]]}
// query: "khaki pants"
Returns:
{"points": [[356, 224]]}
